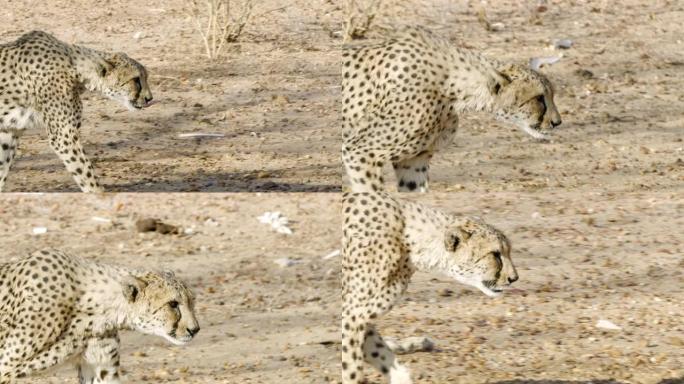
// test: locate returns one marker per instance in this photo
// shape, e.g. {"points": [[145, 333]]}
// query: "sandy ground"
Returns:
{"points": [[615, 257], [595, 217], [274, 94], [254, 314], [622, 120]]}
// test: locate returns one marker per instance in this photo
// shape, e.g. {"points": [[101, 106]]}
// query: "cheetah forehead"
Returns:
{"points": [[528, 78], [485, 233], [164, 285], [129, 66]]}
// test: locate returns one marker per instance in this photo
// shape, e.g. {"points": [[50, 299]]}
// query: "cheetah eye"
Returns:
{"points": [[497, 256], [540, 99], [138, 84], [173, 304]]}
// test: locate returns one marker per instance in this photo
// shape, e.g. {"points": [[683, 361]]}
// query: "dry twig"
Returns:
{"points": [[359, 17], [219, 22]]}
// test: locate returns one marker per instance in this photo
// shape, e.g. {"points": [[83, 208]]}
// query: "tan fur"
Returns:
{"points": [[41, 80], [401, 99], [384, 242], [56, 307]]}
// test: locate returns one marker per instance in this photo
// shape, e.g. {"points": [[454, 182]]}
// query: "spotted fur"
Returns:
{"points": [[55, 307], [401, 100], [384, 242], [41, 80]]}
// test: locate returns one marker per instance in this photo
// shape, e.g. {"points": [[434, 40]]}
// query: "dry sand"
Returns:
{"points": [[595, 217], [274, 94], [581, 259]]}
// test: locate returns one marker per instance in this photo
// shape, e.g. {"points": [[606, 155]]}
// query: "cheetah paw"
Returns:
{"points": [[399, 374], [410, 345]]}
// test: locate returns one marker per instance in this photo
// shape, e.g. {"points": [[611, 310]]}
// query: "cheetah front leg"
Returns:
{"points": [[381, 356], [8, 149], [364, 168], [62, 121], [58, 352], [99, 362], [361, 341], [368, 149], [412, 174], [65, 142], [353, 331]]}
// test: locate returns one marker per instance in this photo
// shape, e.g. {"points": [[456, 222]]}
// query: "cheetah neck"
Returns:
{"points": [[104, 296], [470, 90], [89, 65], [424, 230]]}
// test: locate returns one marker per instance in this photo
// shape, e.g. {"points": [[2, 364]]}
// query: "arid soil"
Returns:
{"points": [[274, 95], [581, 259], [619, 91], [596, 216]]}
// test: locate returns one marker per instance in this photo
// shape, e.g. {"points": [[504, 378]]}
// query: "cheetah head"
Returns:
{"points": [[125, 80], [479, 256], [162, 305], [524, 97]]}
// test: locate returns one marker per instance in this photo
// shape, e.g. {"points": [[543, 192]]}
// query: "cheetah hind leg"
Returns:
{"points": [[8, 151], [379, 354], [412, 174], [99, 362]]}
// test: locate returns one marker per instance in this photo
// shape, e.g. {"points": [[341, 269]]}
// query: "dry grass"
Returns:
{"points": [[359, 16], [219, 21]]}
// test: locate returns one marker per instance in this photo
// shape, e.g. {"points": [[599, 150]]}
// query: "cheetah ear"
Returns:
{"points": [[454, 236], [111, 61], [105, 67], [168, 274], [498, 82], [132, 286]]}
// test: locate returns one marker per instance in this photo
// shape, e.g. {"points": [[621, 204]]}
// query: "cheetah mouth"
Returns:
{"points": [[537, 132], [490, 289], [179, 340], [140, 106], [491, 292]]}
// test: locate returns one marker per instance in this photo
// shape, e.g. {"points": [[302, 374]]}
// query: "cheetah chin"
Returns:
{"points": [[132, 105], [491, 292], [178, 341], [536, 132], [171, 337]]}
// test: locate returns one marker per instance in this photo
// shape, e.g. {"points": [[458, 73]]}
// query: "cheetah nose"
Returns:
{"points": [[512, 279], [148, 99], [556, 123], [193, 331]]}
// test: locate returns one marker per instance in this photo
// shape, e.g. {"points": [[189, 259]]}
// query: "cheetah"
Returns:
{"points": [[385, 241], [41, 80], [55, 307], [401, 99]]}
